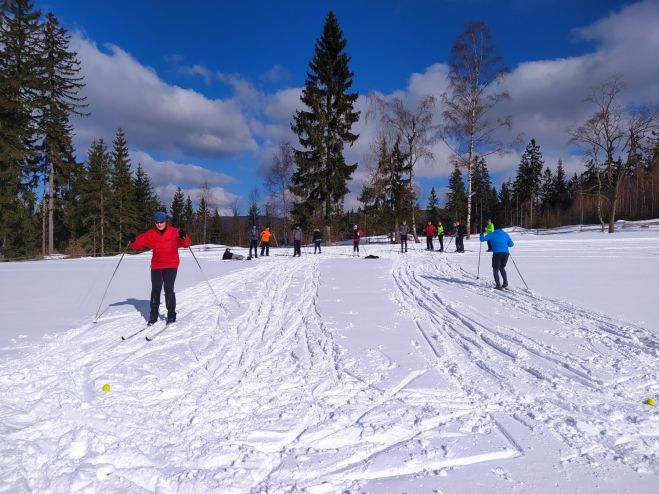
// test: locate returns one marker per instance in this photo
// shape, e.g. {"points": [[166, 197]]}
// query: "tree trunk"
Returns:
{"points": [[51, 207]]}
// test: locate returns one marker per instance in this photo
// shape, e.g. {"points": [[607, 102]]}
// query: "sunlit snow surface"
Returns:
{"points": [[332, 373]]}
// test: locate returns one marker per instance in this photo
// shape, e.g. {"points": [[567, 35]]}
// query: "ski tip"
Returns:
{"points": [[123, 338], [147, 338]]}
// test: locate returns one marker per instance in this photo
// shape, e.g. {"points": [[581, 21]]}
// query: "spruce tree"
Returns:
{"points": [[146, 201], [176, 209], [95, 198], [456, 200], [123, 199], [216, 228], [188, 214], [433, 206], [19, 87], [528, 179], [59, 88], [202, 217], [323, 129]]}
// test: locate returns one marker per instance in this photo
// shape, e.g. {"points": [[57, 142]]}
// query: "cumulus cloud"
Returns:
{"points": [[155, 115]]}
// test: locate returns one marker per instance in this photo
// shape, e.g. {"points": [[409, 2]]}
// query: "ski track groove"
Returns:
{"points": [[479, 339], [263, 397]]}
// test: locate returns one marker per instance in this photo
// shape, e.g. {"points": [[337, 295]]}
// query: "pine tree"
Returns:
{"points": [[323, 129], [188, 214], [19, 87], [483, 201], [561, 188], [547, 191], [123, 200], [216, 228], [95, 198], [456, 200], [202, 217], [433, 206], [176, 209], [528, 179], [59, 87], [146, 201]]}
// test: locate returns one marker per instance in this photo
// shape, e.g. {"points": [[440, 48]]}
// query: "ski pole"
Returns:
{"points": [[480, 244], [98, 312], [204, 275], [480, 248], [520, 274]]}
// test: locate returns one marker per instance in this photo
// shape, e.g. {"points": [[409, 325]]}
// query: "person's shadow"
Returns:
{"points": [[142, 306]]}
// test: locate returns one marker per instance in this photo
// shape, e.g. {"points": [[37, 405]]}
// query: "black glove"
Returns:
{"points": [[131, 237], [181, 233]]}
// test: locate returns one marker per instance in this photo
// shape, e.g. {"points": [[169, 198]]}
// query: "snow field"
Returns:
{"points": [[332, 373]]}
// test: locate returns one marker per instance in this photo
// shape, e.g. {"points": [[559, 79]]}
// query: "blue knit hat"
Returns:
{"points": [[159, 216]]}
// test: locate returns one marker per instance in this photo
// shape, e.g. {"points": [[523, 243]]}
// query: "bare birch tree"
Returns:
{"points": [[613, 140], [476, 72], [278, 180], [413, 130]]}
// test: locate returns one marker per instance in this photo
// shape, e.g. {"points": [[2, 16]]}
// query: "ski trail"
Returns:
{"points": [[505, 368]]}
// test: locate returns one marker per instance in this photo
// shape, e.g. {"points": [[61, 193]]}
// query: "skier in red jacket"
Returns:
{"points": [[429, 231], [165, 241]]}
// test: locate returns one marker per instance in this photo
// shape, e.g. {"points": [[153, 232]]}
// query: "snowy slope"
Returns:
{"points": [[331, 373]]}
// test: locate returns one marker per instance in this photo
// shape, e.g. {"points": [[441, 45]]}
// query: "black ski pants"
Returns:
{"points": [[265, 248], [441, 242], [355, 245], [499, 261], [255, 245], [160, 277], [296, 248], [459, 244], [429, 245], [316, 246], [403, 243]]}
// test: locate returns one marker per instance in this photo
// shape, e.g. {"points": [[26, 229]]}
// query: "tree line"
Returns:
{"points": [[51, 203]]}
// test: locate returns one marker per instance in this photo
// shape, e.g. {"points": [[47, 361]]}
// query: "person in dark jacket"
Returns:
{"points": [[297, 241], [228, 256], [164, 240], [317, 240], [254, 241], [500, 242], [404, 232], [459, 231]]}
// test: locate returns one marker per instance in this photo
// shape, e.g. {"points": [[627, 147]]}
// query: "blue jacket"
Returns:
{"points": [[499, 240], [253, 233]]}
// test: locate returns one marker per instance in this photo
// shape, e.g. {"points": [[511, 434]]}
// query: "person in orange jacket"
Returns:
{"points": [[165, 241], [265, 241]]}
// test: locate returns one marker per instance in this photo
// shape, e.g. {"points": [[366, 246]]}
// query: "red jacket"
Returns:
{"points": [[357, 234], [165, 246], [430, 230]]}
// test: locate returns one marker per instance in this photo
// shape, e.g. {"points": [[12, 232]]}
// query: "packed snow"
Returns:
{"points": [[336, 373]]}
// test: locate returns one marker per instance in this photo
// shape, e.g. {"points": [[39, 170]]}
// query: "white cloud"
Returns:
{"points": [[155, 115]]}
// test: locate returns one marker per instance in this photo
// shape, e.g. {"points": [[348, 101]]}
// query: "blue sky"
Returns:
{"points": [[206, 90]]}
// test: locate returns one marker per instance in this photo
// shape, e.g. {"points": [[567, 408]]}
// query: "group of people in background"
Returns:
{"points": [[165, 240], [431, 231], [263, 238]]}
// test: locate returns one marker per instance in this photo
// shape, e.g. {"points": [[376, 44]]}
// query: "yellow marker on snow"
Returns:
{"points": [[106, 387], [651, 402]]}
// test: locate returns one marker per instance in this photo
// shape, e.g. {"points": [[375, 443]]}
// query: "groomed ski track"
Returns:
{"points": [[307, 379]]}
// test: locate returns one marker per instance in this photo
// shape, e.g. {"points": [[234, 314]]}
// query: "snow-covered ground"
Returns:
{"points": [[333, 373]]}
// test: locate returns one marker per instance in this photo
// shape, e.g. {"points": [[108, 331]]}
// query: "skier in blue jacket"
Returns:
{"points": [[500, 241]]}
